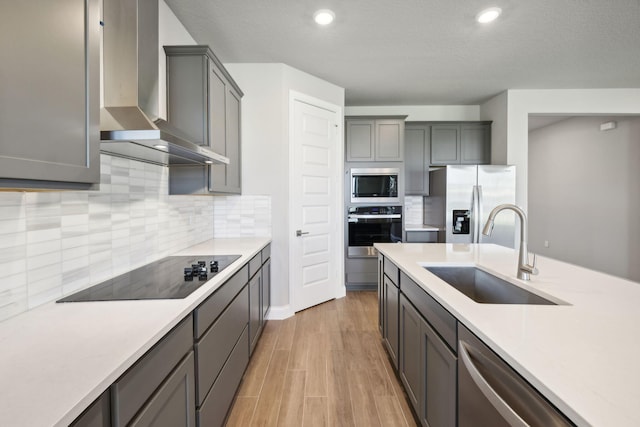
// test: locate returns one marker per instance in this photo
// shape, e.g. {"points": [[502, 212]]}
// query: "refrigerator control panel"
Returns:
{"points": [[461, 220]]}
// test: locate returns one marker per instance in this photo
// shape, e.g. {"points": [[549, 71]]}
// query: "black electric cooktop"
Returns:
{"points": [[172, 277]]}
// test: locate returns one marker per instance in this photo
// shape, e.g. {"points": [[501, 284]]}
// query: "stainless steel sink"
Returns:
{"points": [[486, 288]]}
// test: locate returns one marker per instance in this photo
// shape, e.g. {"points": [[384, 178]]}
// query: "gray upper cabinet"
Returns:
{"points": [[204, 102], [475, 144], [49, 107], [374, 139], [463, 143], [417, 148]]}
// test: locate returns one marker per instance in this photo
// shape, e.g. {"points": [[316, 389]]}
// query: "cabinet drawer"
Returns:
{"points": [[208, 311], [254, 265], [391, 271], [218, 342], [214, 410], [440, 319], [172, 405], [131, 391], [422, 236], [266, 253]]}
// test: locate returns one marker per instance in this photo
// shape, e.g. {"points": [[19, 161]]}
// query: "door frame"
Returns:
{"points": [[338, 254]]}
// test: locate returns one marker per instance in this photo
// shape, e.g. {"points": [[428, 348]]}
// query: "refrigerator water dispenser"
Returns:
{"points": [[461, 220]]}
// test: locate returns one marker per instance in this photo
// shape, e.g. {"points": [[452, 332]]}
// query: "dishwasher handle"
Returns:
{"points": [[503, 408]]}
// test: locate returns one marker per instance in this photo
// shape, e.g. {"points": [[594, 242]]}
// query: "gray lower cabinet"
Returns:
{"points": [[380, 291], [204, 102], [215, 346], [427, 369], [462, 143], [50, 102], [191, 375], [391, 295], [133, 395], [423, 236], [255, 310], [173, 404], [266, 288], [417, 149], [96, 415], [213, 411], [379, 139], [409, 366]]}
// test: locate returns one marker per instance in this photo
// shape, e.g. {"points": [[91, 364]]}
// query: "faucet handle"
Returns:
{"points": [[531, 268]]}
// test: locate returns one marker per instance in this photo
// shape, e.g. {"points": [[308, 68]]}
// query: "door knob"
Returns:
{"points": [[300, 233]]}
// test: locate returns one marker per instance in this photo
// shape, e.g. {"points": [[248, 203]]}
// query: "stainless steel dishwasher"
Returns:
{"points": [[491, 393]]}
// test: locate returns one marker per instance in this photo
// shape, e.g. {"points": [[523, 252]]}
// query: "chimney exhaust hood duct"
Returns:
{"points": [[130, 49]]}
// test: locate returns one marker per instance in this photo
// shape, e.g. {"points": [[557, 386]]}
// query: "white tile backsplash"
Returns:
{"points": [[413, 209], [55, 243]]}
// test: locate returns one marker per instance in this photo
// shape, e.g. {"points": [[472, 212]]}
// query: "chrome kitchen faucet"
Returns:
{"points": [[524, 268]]}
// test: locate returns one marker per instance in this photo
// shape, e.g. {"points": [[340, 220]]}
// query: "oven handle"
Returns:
{"points": [[391, 216]]}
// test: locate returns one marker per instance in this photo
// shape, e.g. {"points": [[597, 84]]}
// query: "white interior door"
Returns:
{"points": [[316, 236]]}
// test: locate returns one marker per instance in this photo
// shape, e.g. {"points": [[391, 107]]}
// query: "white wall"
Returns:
{"points": [[171, 32], [520, 103], [265, 151], [495, 110], [583, 193], [420, 113]]}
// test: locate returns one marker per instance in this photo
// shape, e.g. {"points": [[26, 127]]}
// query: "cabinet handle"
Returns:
{"points": [[492, 396]]}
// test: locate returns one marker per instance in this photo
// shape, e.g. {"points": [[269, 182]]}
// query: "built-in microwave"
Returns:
{"points": [[374, 185]]}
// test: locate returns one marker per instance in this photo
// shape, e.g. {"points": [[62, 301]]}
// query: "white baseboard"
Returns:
{"points": [[279, 312]]}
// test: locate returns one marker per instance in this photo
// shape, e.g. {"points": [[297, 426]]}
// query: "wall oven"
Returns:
{"points": [[372, 224], [374, 185]]}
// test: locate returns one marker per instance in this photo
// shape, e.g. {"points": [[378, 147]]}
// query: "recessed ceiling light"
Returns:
{"points": [[209, 162], [324, 16], [488, 15]]}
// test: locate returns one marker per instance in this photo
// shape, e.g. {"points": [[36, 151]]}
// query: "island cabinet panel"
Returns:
{"points": [[427, 368], [409, 366], [50, 96], [442, 321], [96, 415], [130, 393], [390, 322], [380, 292]]}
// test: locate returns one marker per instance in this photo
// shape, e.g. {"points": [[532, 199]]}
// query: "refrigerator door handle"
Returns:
{"points": [[475, 213], [478, 225]]}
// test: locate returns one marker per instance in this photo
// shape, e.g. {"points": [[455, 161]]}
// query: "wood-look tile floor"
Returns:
{"points": [[325, 366]]}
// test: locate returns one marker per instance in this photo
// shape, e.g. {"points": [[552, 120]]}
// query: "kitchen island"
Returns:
{"points": [[580, 354], [58, 358]]}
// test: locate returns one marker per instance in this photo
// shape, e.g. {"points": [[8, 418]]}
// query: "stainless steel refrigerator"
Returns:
{"points": [[461, 198]]}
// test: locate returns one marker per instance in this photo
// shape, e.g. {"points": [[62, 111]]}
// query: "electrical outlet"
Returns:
{"points": [[546, 243]]}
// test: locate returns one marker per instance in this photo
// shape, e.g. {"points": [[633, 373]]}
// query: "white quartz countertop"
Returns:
{"points": [[582, 355], [57, 359], [421, 227]]}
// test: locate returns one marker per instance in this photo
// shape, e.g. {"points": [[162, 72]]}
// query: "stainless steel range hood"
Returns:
{"points": [[130, 63]]}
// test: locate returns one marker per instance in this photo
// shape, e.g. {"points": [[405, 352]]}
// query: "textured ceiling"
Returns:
{"points": [[429, 52]]}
